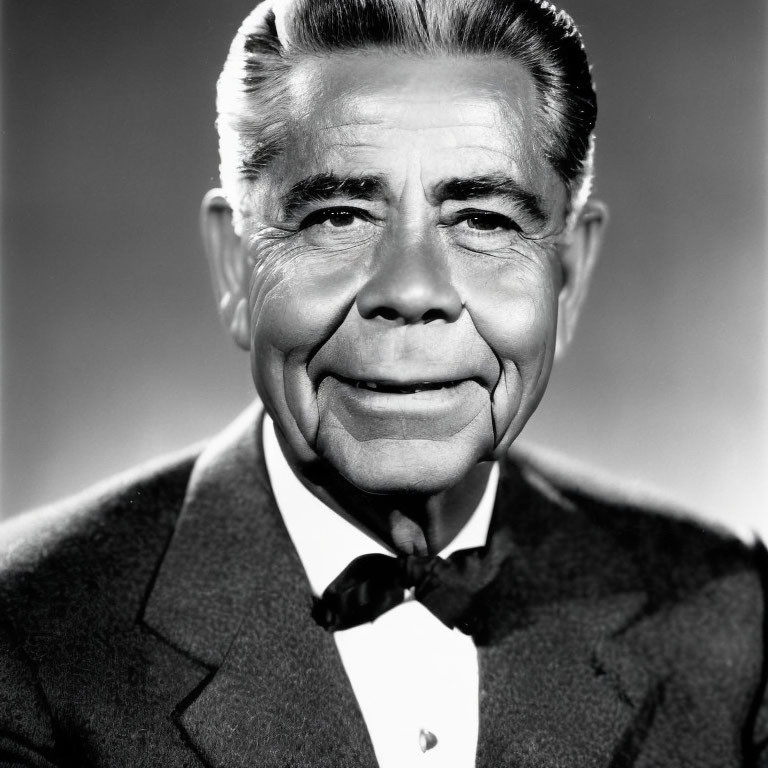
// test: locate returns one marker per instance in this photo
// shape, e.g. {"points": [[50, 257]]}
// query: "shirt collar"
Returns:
{"points": [[325, 542]]}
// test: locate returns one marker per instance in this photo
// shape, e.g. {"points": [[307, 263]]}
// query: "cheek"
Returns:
{"points": [[298, 296], [519, 327], [295, 297], [514, 307], [296, 301], [515, 312]]}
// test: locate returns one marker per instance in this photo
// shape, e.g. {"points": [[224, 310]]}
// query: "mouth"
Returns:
{"points": [[429, 408], [401, 388]]}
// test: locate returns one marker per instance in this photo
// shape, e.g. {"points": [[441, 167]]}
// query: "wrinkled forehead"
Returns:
{"points": [[376, 111]]}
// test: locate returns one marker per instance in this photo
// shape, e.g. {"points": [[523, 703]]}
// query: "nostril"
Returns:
{"points": [[433, 314], [387, 313]]}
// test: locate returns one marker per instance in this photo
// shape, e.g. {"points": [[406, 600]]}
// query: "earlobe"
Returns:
{"points": [[578, 258], [227, 262]]}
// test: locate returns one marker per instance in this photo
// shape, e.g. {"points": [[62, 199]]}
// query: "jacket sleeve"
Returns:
{"points": [[758, 741], [26, 728]]}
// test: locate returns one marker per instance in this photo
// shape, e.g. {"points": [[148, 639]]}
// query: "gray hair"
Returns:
{"points": [[253, 108]]}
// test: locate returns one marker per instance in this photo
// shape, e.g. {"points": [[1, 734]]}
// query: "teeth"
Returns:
{"points": [[405, 390]]}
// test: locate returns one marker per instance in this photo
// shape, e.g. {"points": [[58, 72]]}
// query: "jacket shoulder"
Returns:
{"points": [[90, 557], [700, 615], [632, 536]]}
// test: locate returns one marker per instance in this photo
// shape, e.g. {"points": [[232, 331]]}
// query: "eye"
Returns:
{"points": [[338, 227], [335, 218], [483, 231], [482, 221]]}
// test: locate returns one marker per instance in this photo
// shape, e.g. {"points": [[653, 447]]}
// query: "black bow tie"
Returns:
{"points": [[372, 584]]}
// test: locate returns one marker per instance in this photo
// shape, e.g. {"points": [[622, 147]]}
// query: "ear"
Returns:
{"points": [[226, 258], [578, 256]]}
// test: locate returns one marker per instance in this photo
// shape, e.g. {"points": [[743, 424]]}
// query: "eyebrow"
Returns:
{"points": [[490, 186], [326, 186]]}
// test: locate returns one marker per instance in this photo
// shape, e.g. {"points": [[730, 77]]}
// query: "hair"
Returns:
{"points": [[253, 109]]}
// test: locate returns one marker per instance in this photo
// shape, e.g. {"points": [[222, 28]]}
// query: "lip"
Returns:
{"points": [[434, 413], [414, 386], [416, 398]]}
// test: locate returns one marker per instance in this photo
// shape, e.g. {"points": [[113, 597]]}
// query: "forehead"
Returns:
{"points": [[379, 112]]}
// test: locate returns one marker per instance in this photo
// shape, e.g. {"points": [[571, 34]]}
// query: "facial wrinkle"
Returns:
{"points": [[412, 203], [340, 316], [352, 124], [274, 260]]}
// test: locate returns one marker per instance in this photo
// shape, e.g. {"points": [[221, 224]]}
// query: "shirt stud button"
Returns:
{"points": [[427, 739]]}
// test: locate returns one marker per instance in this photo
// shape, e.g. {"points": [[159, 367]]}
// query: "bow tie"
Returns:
{"points": [[373, 584]]}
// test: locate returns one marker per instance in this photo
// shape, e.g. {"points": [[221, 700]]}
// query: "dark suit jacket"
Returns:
{"points": [[164, 620]]}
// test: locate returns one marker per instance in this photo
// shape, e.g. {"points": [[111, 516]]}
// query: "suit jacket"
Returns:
{"points": [[164, 620]]}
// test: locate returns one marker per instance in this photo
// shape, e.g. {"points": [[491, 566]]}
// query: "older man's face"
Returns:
{"points": [[404, 299]]}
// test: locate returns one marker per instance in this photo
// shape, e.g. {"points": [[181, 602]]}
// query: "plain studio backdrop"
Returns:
{"points": [[112, 351]]}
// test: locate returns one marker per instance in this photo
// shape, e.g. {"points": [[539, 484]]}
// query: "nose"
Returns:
{"points": [[410, 281]]}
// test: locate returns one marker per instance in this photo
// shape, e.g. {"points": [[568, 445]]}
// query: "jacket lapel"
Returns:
{"points": [[560, 684], [564, 691], [231, 594]]}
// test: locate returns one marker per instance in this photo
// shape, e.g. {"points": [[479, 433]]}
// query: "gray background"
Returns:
{"points": [[112, 351]]}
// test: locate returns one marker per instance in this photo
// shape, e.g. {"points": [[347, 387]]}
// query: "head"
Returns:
{"points": [[404, 237]]}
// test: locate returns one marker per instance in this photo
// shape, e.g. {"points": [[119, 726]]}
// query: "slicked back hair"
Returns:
{"points": [[253, 109]]}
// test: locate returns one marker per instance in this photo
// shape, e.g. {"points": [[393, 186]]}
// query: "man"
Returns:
{"points": [[360, 572]]}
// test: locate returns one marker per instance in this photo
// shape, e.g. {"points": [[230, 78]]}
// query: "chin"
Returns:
{"points": [[395, 467]]}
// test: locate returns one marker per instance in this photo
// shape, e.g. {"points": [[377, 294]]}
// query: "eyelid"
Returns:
{"points": [[311, 217], [468, 213]]}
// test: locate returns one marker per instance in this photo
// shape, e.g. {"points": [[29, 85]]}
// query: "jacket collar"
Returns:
{"points": [[215, 560], [231, 593], [559, 678]]}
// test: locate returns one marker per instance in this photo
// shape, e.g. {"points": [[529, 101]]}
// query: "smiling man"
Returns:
{"points": [[361, 571]]}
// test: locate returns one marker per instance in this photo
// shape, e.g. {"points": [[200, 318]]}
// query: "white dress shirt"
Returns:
{"points": [[410, 673]]}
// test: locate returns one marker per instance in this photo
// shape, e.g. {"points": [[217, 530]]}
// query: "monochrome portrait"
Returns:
{"points": [[384, 384]]}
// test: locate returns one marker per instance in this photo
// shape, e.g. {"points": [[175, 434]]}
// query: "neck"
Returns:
{"points": [[405, 523]]}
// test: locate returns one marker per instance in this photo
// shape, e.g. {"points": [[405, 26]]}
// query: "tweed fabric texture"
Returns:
{"points": [[165, 619]]}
